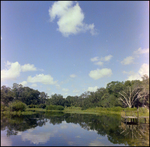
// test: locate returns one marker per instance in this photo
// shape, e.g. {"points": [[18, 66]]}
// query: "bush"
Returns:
{"points": [[31, 106], [54, 107], [143, 110], [130, 109], [42, 106], [17, 106], [84, 108], [118, 108]]}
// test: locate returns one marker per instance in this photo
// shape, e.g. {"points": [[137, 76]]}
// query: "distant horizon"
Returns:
{"points": [[69, 48]]}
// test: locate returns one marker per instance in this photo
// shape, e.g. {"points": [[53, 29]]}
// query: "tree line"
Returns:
{"points": [[130, 94]]}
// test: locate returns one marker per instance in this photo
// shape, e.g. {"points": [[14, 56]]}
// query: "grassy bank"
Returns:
{"points": [[97, 110], [18, 112], [42, 110]]}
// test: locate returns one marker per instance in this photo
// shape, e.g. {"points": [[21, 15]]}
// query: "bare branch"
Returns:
{"points": [[123, 101], [124, 98]]}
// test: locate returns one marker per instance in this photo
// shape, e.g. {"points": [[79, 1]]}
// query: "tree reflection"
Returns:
{"points": [[110, 125], [135, 132]]}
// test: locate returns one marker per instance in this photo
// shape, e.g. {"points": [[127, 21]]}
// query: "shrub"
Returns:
{"points": [[118, 108], [42, 106], [31, 106], [143, 110], [17, 106], [60, 107], [54, 107], [84, 108]]}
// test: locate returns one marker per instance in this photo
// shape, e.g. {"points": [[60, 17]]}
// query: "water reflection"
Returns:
{"points": [[135, 134], [71, 129]]}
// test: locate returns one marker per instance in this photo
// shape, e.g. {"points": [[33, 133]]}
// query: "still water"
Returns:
{"points": [[61, 129]]}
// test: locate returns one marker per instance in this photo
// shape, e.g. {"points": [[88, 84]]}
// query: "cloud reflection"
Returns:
{"points": [[35, 138], [5, 141], [96, 143]]}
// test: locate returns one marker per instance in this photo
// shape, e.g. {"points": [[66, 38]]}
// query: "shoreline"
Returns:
{"points": [[77, 110]]}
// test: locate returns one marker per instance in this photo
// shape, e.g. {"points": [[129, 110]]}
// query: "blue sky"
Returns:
{"points": [[72, 47]]}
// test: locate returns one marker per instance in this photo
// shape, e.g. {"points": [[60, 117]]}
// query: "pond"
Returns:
{"points": [[64, 129]]}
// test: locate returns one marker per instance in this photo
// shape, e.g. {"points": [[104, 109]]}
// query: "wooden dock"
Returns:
{"points": [[133, 117]]}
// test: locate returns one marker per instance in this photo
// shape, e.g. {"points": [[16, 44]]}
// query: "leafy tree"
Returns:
{"points": [[43, 96], [57, 99], [145, 91], [6, 95]]}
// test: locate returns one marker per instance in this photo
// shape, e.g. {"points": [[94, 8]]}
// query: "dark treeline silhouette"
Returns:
{"points": [[133, 93]]}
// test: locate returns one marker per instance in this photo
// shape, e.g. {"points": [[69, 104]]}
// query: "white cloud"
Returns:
{"points": [[28, 67], [99, 73], [94, 59], [70, 18], [41, 78], [12, 72], [134, 76], [65, 89], [65, 94], [24, 83], [92, 89], [76, 91], [130, 72], [127, 60], [99, 63], [141, 51], [144, 69], [73, 76], [107, 58], [34, 85], [57, 86]]}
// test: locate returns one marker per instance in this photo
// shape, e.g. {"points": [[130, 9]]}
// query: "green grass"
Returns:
{"points": [[43, 110], [100, 110], [18, 113], [96, 110]]}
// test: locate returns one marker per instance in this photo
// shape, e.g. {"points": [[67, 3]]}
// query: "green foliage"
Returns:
{"points": [[17, 106], [3, 107], [143, 110], [117, 108], [54, 107], [31, 106], [130, 109], [84, 108], [42, 106], [108, 97], [37, 106]]}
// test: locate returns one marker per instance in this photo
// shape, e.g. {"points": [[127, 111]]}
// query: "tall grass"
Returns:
{"points": [[112, 110]]}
